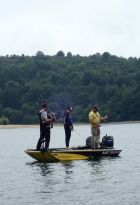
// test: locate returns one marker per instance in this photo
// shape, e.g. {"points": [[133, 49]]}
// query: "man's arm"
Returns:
{"points": [[104, 118]]}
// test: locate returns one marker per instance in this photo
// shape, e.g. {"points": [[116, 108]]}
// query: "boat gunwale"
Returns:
{"points": [[64, 150]]}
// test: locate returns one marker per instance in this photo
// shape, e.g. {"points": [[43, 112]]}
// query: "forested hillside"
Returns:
{"points": [[111, 82]]}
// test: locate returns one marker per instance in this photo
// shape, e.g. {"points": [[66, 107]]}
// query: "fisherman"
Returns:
{"points": [[68, 125], [95, 119], [45, 126]]}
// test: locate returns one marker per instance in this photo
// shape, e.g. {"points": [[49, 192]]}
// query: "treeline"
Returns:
{"points": [[107, 80]]}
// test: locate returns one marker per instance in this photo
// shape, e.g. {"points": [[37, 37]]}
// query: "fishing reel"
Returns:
{"points": [[52, 116]]}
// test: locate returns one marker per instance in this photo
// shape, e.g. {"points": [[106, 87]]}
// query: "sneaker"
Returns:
{"points": [[43, 149]]}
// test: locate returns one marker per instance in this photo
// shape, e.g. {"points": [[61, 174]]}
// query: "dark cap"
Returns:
{"points": [[44, 105], [69, 108], [95, 107]]}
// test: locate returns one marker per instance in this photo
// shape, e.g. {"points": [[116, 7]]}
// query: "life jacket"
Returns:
{"points": [[43, 122]]}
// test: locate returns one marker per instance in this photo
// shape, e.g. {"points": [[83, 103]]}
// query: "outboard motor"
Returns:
{"points": [[107, 142]]}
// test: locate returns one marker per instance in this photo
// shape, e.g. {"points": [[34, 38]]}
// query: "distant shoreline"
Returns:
{"points": [[17, 126], [37, 125]]}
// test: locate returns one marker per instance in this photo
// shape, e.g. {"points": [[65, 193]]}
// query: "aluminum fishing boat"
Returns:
{"points": [[75, 153]]}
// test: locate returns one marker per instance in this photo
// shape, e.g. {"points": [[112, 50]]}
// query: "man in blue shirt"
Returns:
{"points": [[68, 125]]}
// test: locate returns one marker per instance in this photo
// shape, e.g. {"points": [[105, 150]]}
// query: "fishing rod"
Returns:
{"points": [[78, 134], [42, 99]]}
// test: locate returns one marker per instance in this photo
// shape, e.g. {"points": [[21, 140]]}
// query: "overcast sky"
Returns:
{"points": [[83, 27]]}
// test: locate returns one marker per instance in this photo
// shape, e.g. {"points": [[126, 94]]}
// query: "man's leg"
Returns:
{"points": [[47, 137], [97, 143], [94, 136], [67, 135], [40, 139]]}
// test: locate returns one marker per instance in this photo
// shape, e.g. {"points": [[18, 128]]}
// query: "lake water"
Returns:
{"points": [[106, 181]]}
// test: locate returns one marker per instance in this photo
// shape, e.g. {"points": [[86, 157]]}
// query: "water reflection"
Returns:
{"points": [[43, 168], [68, 169], [68, 166]]}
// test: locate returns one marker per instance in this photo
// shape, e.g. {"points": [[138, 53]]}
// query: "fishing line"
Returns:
{"points": [[78, 134]]}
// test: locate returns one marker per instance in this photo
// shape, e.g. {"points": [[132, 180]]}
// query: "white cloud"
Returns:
{"points": [[83, 27]]}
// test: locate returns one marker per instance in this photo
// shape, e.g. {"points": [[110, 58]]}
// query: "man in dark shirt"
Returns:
{"points": [[45, 126], [68, 125]]}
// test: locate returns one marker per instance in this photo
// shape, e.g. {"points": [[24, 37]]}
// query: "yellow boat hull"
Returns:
{"points": [[56, 155]]}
